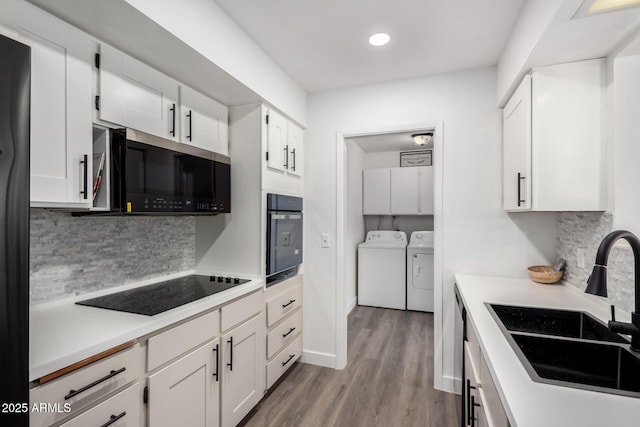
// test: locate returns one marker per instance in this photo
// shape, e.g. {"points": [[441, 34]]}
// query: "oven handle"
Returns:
{"points": [[280, 216]]}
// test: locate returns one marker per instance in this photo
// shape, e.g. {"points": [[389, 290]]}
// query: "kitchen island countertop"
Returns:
{"points": [[528, 403], [62, 333]]}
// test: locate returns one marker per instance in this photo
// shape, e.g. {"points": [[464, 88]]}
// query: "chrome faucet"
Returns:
{"points": [[597, 283]]}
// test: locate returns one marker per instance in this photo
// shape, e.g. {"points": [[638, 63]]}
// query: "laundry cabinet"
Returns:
{"points": [[398, 191], [554, 140]]}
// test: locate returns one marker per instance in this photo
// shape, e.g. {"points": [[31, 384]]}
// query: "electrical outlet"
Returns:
{"points": [[580, 257], [325, 240]]}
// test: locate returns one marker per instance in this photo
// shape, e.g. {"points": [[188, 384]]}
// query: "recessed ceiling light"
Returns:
{"points": [[604, 5], [379, 39]]}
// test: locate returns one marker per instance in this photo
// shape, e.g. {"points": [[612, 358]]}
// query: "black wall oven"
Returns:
{"points": [[151, 175], [284, 236]]}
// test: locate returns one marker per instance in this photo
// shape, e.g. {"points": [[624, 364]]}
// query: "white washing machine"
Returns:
{"points": [[420, 271], [382, 270]]}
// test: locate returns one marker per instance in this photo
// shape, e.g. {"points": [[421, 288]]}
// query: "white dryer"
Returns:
{"points": [[382, 270], [420, 271]]}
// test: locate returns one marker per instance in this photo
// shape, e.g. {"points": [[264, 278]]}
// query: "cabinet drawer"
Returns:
{"points": [[473, 344], [283, 304], [283, 361], [241, 310], [493, 410], [284, 333], [172, 343], [86, 385], [123, 410]]}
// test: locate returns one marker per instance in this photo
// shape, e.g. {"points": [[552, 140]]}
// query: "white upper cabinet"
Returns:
{"points": [[283, 154], [277, 158], [295, 138], [203, 121], [404, 191], [398, 191], [137, 96], [517, 149], [376, 191], [61, 135], [554, 150]]}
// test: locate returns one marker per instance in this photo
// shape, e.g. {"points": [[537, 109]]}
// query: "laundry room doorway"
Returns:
{"points": [[382, 148]]}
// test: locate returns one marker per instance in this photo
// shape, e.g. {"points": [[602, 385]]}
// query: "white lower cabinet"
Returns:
{"points": [[121, 410], [284, 327], [87, 387], [242, 357], [482, 405], [187, 392]]}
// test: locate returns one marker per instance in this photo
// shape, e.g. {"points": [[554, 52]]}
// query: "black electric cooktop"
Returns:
{"points": [[160, 297]]}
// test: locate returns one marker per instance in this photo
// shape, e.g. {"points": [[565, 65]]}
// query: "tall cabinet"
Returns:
{"points": [[554, 142]]}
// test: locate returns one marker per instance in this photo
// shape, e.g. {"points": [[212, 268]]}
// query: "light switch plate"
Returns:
{"points": [[580, 257], [325, 240]]}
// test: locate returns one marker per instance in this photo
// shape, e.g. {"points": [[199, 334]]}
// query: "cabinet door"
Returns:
{"points": [[376, 191], [61, 134], [426, 197], [204, 122], [137, 96], [187, 392], [405, 191], [517, 149], [277, 148], [243, 376], [295, 138]]}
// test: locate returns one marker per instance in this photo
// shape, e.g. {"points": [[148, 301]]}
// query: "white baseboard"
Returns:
{"points": [[449, 384], [319, 359], [351, 305]]}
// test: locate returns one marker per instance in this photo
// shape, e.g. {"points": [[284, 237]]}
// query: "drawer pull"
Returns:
{"points": [[291, 356], [216, 351], [291, 301], [473, 411], [469, 401], [286, 334], [73, 393], [113, 419], [230, 363]]}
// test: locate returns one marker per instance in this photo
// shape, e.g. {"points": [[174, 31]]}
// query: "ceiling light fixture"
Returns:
{"points": [[598, 6], [424, 138], [379, 39]]}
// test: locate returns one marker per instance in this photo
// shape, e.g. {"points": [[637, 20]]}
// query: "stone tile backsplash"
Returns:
{"points": [[582, 232], [75, 255]]}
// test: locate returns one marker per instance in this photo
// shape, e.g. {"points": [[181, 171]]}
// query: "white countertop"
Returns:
{"points": [[527, 403], [62, 333]]}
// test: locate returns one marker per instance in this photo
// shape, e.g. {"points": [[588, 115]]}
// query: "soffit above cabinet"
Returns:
{"points": [[119, 24]]}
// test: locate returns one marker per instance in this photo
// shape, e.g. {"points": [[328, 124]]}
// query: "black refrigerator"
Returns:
{"points": [[15, 82]]}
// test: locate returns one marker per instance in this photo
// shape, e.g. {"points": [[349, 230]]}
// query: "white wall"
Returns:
{"points": [[355, 221], [479, 237], [535, 18], [205, 27]]}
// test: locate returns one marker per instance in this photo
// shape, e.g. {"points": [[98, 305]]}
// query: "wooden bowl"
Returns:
{"points": [[543, 274]]}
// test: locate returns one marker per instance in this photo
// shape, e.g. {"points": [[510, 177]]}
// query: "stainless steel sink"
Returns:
{"points": [[569, 348], [563, 323]]}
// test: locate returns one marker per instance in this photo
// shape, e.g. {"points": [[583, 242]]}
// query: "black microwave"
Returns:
{"points": [[152, 175]]}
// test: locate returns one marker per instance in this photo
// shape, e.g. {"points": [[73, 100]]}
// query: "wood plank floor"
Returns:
{"points": [[388, 380]]}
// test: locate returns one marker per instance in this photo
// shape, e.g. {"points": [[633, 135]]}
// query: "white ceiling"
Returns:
{"points": [[399, 141], [324, 44]]}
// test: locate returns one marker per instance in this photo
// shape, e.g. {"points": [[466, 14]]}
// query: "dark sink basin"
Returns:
{"points": [[592, 365], [563, 323], [569, 348]]}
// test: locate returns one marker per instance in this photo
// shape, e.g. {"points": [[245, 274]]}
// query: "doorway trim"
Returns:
{"points": [[341, 220]]}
